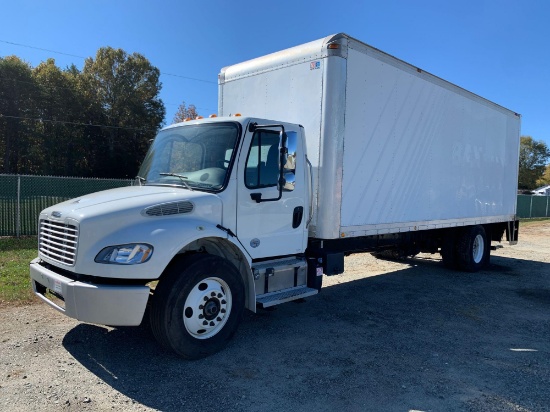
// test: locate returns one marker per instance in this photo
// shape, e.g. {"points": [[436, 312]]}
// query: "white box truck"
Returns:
{"points": [[340, 149]]}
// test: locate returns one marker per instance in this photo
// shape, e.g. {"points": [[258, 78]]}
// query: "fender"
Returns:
{"points": [[218, 242], [229, 248], [169, 236]]}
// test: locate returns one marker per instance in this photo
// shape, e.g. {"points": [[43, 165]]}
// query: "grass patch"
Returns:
{"points": [[524, 221], [15, 255]]}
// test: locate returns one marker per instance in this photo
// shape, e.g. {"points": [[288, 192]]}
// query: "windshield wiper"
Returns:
{"points": [[141, 179], [180, 177]]}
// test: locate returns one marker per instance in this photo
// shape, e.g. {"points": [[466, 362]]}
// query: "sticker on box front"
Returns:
{"points": [[314, 65]]}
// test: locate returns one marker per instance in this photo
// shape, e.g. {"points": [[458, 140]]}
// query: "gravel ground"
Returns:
{"points": [[384, 336]]}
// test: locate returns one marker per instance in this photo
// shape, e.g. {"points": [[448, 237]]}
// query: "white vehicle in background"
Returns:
{"points": [[542, 191], [341, 149]]}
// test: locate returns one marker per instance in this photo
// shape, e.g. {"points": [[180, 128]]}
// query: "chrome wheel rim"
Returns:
{"points": [[207, 308], [478, 248]]}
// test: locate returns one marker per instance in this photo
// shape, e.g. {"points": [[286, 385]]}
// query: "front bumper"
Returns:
{"points": [[101, 304]]}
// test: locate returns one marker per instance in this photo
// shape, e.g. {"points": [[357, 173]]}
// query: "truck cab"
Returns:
{"points": [[227, 199], [242, 163]]}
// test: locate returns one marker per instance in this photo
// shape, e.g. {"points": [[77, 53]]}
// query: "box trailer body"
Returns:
{"points": [[394, 148], [340, 149]]}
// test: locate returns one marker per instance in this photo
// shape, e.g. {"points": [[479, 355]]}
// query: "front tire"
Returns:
{"points": [[197, 306]]}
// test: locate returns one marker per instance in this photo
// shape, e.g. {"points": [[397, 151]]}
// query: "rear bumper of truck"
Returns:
{"points": [[93, 303]]}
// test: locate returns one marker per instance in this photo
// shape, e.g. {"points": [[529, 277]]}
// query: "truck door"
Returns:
{"points": [[272, 222]]}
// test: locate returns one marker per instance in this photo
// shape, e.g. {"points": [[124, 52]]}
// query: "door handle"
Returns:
{"points": [[297, 216]]}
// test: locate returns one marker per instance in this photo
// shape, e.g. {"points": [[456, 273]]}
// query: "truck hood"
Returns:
{"points": [[132, 201], [161, 216]]}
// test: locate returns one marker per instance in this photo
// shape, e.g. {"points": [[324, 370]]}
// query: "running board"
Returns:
{"points": [[286, 295]]}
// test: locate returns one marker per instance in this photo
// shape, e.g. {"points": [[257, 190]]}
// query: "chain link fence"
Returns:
{"points": [[22, 198]]}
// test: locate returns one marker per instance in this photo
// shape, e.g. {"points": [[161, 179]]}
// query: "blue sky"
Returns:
{"points": [[497, 49]]}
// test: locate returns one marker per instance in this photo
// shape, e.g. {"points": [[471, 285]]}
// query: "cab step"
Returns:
{"points": [[286, 295]]}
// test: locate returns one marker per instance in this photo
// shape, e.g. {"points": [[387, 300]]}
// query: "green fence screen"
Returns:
{"points": [[533, 206], [23, 197]]}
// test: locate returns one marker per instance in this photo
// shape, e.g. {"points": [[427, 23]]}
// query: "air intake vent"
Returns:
{"points": [[174, 208], [58, 241]]}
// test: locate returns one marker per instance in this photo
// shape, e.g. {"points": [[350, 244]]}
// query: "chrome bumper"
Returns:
{"points": [[101, 304]]}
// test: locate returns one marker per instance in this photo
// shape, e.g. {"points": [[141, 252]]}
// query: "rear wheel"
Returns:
{"points": [[197, 306], [473, 249]]}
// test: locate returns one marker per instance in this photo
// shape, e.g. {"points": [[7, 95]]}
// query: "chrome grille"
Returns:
{"points": [[58, 241], [172, 208]]}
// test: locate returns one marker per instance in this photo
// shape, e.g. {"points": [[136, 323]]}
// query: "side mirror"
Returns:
{"points": [[291, 146], [289, 182]]}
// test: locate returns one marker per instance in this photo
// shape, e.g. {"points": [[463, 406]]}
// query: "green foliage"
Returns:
{"points": [[17, 106], [15, 285], [62, 148], [533, 156], [545, 179], [126, 89], [65, 122]]}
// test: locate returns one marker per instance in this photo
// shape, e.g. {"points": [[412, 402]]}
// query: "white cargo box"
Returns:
{"points": [[394, 148]]}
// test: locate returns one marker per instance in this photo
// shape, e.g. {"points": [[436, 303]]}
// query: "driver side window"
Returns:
{"points": [[262, 163]]}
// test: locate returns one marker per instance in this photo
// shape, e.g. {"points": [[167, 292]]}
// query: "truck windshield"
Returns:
{"points": [[191, 156]]}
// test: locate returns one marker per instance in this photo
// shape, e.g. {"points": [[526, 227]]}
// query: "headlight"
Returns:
{"points": [[131, 254]]}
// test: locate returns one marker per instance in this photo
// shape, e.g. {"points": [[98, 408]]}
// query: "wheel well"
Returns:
{"points": [[227, 250], [494, 231]]}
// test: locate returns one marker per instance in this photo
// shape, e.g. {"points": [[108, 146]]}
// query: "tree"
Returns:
{"points": [[533, 156], [126, 88], [62, 148], [17, 111], [185, 112], [97, 122], [545, 179]]}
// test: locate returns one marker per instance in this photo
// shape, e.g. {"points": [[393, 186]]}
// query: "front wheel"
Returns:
{"points": [[473, 249], [197, 306]]}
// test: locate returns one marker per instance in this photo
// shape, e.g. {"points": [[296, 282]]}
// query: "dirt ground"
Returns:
{"points": [[384, 336]]}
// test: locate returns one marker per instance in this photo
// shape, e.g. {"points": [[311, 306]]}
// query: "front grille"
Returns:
{"points": [[58, 241]]}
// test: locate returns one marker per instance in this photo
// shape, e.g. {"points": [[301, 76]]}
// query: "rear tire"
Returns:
{"points": [[473, 249], [197, 305]]}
